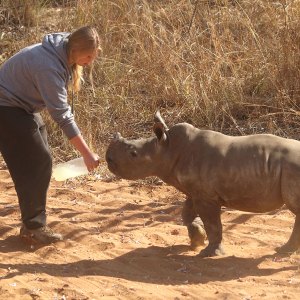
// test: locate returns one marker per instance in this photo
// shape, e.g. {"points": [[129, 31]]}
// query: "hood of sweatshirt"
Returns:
{"points": [[56, 43]]}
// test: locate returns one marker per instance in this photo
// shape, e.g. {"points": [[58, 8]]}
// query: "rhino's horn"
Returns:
{"points": [[158, 118]]}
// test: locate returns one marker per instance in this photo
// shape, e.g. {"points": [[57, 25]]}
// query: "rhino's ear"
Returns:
{"points": [[117, 136], [158, 118], [159, 130]]}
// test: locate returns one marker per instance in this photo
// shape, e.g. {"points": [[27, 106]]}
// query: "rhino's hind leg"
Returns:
{"points": [[194, 225], [293, 244], [210, 214]]}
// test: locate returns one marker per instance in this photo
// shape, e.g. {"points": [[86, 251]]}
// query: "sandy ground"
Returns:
{"points": [[125, 240]]}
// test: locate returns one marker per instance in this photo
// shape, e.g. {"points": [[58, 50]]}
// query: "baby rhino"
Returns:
{"points": [[255, 173]]}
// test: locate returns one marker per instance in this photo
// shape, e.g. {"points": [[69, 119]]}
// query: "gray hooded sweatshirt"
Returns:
{"points": [[37, 77]]}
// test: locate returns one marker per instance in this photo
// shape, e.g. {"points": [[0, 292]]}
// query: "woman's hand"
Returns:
{"points": [[91, 161]]}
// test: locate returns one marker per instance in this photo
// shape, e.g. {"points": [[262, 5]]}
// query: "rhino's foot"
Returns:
{"points": [[212, 250], [287, 248], [197, 234]]}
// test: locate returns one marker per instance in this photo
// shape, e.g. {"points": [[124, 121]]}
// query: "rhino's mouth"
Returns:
{"points": [[111, 164]]}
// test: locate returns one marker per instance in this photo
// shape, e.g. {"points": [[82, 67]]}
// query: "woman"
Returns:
{"points": [[35, 78]]}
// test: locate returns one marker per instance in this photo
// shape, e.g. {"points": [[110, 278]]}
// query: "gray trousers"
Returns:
{"points": [[24, 147]]}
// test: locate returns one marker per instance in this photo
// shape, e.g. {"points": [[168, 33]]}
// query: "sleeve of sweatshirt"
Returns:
{"points": [[52, 88]]}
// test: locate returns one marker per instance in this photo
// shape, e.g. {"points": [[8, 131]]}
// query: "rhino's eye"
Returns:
{"points": [[133, 153]]}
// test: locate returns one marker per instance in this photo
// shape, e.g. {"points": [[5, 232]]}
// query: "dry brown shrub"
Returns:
{"points": [[231, 66], [23, 12]]}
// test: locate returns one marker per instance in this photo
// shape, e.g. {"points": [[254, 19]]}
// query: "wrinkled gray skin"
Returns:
{"points": [[255, 173]]}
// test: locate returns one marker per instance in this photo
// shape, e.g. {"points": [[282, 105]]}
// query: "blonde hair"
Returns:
{"points": [[83, 39]]}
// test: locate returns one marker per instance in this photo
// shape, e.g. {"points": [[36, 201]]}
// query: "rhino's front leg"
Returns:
{"points": [[194, 224], [210, 213]]}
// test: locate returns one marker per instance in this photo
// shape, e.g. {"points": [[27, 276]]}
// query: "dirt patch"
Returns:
{"points": [[127, 241]]}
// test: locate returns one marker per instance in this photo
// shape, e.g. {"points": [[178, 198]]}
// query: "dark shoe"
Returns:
{"points": [[42, 235]]}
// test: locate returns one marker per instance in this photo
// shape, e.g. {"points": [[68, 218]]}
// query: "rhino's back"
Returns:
{"points": [[245, 172]]}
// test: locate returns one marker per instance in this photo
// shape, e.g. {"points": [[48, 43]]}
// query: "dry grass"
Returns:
{"points": [[231, 66]]}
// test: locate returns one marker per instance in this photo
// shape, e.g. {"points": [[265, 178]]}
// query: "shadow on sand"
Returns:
{"points": [[140, 265]]}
